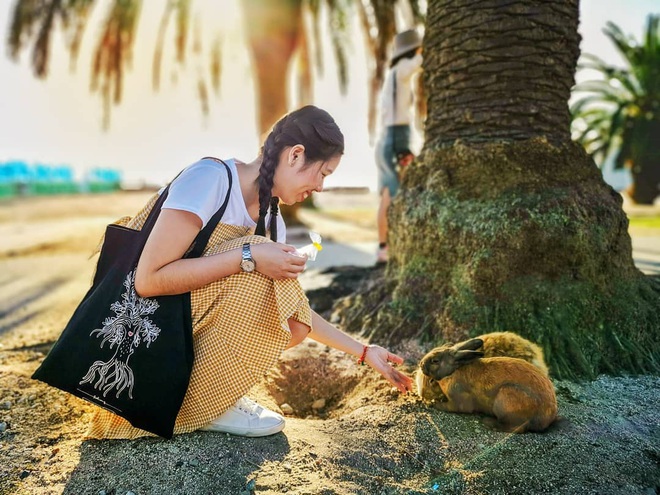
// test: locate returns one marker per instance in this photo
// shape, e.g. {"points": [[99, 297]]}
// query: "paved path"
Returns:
{"points": [[646, 252]]}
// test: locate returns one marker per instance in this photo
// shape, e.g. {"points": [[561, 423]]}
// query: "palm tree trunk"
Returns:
{"points": [[504, 223], [646, 165]]}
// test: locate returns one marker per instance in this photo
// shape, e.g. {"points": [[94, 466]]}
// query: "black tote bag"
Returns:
{"points": [[130, 355]]}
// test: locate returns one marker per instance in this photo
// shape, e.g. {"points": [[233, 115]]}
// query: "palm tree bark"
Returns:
{"points": [[505, 223]]}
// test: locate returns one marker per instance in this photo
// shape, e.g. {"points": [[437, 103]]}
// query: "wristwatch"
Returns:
{"points": [[247, 263]]}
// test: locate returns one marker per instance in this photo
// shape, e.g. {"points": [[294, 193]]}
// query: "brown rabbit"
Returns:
{"points": [[495, 344], [512, 390]]}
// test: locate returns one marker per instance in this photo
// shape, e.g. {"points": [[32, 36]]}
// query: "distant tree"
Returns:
{"points": [[505, 223], [621, 113]]}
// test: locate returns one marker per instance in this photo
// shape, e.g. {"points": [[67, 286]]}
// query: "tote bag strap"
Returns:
{"points": [[205, 234], [153, 216], [155, 211]]}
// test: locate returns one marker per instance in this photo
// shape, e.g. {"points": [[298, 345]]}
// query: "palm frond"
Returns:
{"points": [[182, 24], [33, 18], [623, 107], [26, 15], [616, 126], [604, 88], [180, 9], [623, 43], [579, 106], [75, 14], [315, 10], [589, 61], [419, 16], [160, 42], [378, 27], [114, 53], [40, 54], [216, 64], [340, 37]]}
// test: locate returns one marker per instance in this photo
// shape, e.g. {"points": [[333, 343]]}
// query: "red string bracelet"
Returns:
{"points": [[363, 356]]}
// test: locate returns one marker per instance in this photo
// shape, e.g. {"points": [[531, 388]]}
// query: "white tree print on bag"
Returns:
{"points": [[126, 331]]}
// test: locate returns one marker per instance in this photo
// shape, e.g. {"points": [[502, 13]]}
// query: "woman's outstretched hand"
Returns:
{"points": [[380, 358], [278, 261]]}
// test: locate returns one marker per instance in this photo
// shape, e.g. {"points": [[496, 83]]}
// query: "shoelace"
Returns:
{"points": [[248, 406]]}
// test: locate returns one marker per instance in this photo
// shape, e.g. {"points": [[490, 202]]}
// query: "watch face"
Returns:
{"points": [[247, 265]]}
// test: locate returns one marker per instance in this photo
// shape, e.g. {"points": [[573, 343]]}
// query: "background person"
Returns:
{"points": [[393, 150]]}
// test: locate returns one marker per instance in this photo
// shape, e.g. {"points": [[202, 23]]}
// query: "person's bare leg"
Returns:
{"points": [[384, 205], [299, 332]]}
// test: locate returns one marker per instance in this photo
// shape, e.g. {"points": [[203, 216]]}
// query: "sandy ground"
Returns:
{"points": [[367, 439]]}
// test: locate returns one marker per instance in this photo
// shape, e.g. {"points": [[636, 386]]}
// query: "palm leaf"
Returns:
{"points": [[34, 18], [339, 30], [113, 53], [76, 27], [160, 41], [581, 105], [625, 45], [216, 64], [315, 9], [603, 88]]}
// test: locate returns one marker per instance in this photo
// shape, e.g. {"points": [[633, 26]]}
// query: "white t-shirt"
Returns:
{"points": [[201, 189], [404, 71]]}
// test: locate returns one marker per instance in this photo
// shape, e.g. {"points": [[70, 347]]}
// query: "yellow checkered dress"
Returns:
{"points": [[239, 330]]}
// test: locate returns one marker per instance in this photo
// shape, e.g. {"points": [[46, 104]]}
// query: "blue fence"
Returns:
{"points": [[17, 178]]}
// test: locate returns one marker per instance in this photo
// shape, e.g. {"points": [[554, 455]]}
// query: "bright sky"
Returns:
{"points": [[154, 135]]}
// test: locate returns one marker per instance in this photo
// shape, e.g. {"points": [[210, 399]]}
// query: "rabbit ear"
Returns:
{"points": [[470, 345], [464, 357]]}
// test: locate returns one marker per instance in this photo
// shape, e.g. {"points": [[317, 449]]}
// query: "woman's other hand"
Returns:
{"points": [[278, 261]]}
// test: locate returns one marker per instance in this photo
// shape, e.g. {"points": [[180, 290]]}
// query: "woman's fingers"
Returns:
{"points": [[381, 360], [402, 382], [393, 358]]}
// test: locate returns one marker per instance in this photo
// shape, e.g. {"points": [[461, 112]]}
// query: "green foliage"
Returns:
{"points": [[621, 110], [620, 104]]}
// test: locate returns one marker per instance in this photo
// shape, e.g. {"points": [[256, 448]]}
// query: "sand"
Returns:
{"points": [[367, 439]]}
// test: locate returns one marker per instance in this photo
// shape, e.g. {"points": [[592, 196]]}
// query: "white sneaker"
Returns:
{"points": [[248, 419]]}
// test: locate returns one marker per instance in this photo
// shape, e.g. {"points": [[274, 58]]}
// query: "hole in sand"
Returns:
{"points": [[312, 384], [311, 381]]}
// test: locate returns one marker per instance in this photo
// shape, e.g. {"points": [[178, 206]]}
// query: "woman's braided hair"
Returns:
{"points": [[310, 126]]}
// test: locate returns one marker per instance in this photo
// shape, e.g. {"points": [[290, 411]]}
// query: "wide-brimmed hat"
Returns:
{"points": [[406, 41]]}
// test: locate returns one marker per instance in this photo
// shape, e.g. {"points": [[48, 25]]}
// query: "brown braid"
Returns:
{"points": [[309, 126], [270, 158], [274, 209]]}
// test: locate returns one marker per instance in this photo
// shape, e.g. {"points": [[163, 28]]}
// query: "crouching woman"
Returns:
{"points": [[247, 304]]}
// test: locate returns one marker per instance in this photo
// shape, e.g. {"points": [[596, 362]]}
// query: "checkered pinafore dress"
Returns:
{"points": [[239, 330]]}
